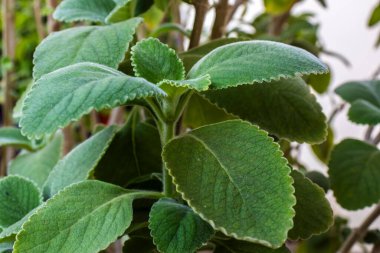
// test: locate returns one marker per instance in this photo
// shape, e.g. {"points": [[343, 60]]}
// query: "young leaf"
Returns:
{"points": [[176, 228], [246, 191], [312, 217], [155, 61], [364, 98], [10, 136], [84, 10], [199, 84], [74, 91], [37, 166], [77, 165], [251, 62], [134, 152], [18, 196], [85, 217], [285, 108], [99, 44], [236, 246], [354, 174]]}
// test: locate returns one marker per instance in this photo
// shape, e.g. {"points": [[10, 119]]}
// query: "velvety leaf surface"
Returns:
{"points": [[176, 228], [199, 84], [320, 83], [6, 247], [84, 10], [319, 179], [37, 165], [85, 217], [251, 62], [313, 212], [236, 246], [9, 233], [122, 11], [364, 98], [18, 196], [155, 61], [74, 91], [285, 108], [354, 174], [99, 44], [246, 191], [135, 152], [78, 164], [10, 136]]}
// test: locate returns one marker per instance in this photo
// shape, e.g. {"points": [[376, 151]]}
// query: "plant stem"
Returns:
{"points": [[376, 140], [222, 13], [359, 233], [368, 134], [38, 19], [167, 133], [53, 25], [201, 9]]}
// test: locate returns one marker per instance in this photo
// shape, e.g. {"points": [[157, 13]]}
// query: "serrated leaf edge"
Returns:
{"points": [[183, 84], [220, 228]]}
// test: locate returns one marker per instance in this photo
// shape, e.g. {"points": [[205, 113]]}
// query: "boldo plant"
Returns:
{"points": [[197, 163]]}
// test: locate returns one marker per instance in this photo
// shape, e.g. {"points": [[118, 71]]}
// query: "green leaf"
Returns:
{"points": [[10, 232], [74, 91], [18, 196], [277, 7], [78, 164], [354, 174], [176, 228], [251, 62], [99, 44], [85, 217], [323, 150], [319, 179], [246, 191], [375, 16], [84, 10], [364, 98], [135, 152], [155, 61], [10, 136], [320, 83], [200, 112], [6, 247], [37, 166], [122, 11], [312, 217], [236, 246], [142, 6], [285, 108], [172, 87]]}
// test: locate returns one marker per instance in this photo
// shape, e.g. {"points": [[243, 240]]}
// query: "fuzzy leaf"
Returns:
{"points": [[18, 196], [74, 91], [155, 61], [99, 44], [37, 166], [85, 217], [122, 11], [320, 83], [176, 228], [323, 150], [354, 174], [84, 10], [251, 62], [285, 108], [312, 217], [77, 165], [10, 136], [9, 233], [246, 191], [364, 98], [236, 246]]}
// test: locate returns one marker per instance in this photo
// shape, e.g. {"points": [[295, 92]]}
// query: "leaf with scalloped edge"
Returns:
{"points": [[285, 108], [99, 44], [9, 233], [78, 164], [11, 136], [84, 10], [354, 174], [37, 165], [155, 61], [313, 212], [74, 91], [364, 97], [236, 246], [18, 196], [199, 84], [176, 228], [246, 191], [85, 217], [251, 62]]}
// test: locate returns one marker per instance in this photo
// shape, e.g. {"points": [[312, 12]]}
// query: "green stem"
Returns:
{"points": [[167, 133]]}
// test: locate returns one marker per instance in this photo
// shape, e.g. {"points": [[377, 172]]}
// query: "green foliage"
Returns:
{"points": [[354, 175], [277, 7], [12, 137], [182, 230], [234, 186], [235, 246], [375, 16]]}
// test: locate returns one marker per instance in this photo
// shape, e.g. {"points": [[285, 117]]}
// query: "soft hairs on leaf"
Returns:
{"points": [[74, 91], [247, 192], [10, 136], [250, 62]]}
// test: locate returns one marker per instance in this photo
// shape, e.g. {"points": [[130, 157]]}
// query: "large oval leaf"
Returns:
{"points": [[246, 191], [285, 108], [100, 44], [74, 91], [251, 62]]}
